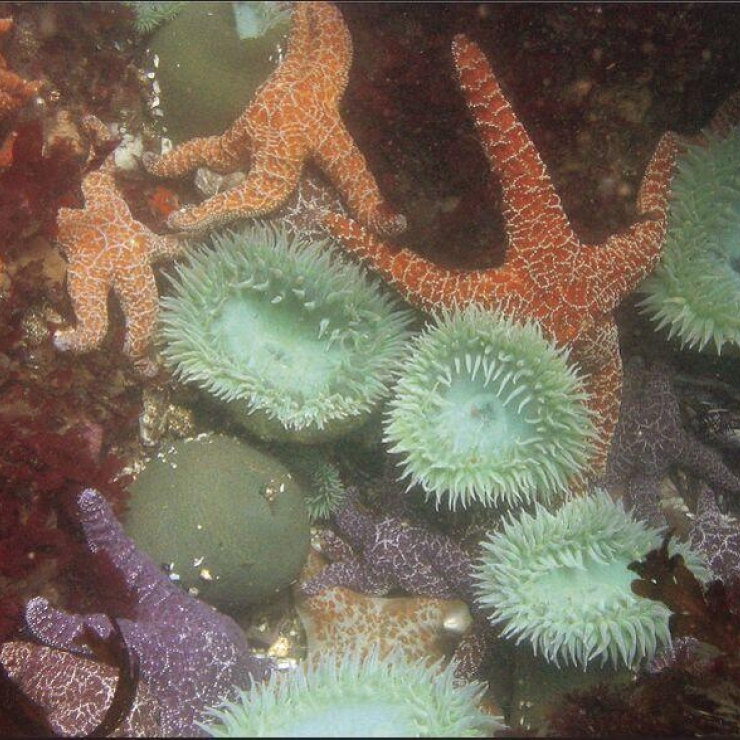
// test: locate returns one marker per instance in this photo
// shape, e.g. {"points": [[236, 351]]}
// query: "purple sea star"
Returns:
{"points": [[75, 692], [650, 439], [391, 553], [716, 536], [190, 654]]}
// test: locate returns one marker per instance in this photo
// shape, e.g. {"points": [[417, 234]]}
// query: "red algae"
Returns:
{"points": [[696, 690]]}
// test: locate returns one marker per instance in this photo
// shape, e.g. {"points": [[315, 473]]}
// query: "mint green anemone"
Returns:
{"points": [[695, 291], [560, 581], [353, 697], [297, 341], [487, 410]]}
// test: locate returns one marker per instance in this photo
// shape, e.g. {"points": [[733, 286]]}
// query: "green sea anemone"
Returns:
{"points": [[325, 492], [297, 340], [486, 409], [350, 697], [229, 520], [560, 580], [149, 15], [695, 291]]}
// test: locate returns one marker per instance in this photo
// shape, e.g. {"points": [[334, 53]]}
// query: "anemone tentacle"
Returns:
{"points": [[695, 291], [352, 697], [285, 325], [560, 581], [486, 409]]}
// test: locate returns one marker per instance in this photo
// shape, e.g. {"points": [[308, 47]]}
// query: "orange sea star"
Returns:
{"points": [[339, 620], [14, 90], [294, 117], [549, 275], [107, 249]]}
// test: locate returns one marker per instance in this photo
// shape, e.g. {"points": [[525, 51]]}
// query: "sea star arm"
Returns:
{"points": [[642, 499], [534, 215], [325, 40], [473, 649], [352, 574], [346, 167], [230, 150], [624, 260], [269, 182], [335, 548], [223, 154], [160, 247], [87, 286], [707, 464], [354, 522], [452, 562], [136, 289], [601, 365], [418, 280], [60, 629]]}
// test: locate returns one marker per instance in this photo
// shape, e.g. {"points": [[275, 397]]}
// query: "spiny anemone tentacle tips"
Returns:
{"points": [[561, 582], [695, 292], [285, 327], [356, 697], [487, 410]]}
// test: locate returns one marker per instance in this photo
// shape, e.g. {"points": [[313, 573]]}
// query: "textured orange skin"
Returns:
{"points": [[548, 275], [14, 90], [294, 117], [106, 249], [341, 621]]}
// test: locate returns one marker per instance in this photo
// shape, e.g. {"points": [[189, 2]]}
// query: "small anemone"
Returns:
{"points": [[298, 341], [149, 13], [486, 409], [560, 580], [325, 491], [353, 697], [695, 291]]}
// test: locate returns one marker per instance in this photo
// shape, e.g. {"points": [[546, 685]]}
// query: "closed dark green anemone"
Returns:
{"points": [[349, 696], [298, 342], [207, 69], [560, 582], [487, 410], [695, 290], [228, 521]]}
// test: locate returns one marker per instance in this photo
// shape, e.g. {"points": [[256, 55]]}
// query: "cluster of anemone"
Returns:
{"points": [[695, 291], [299, 342], [487, 410], [353, 697], [561, 581]]}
